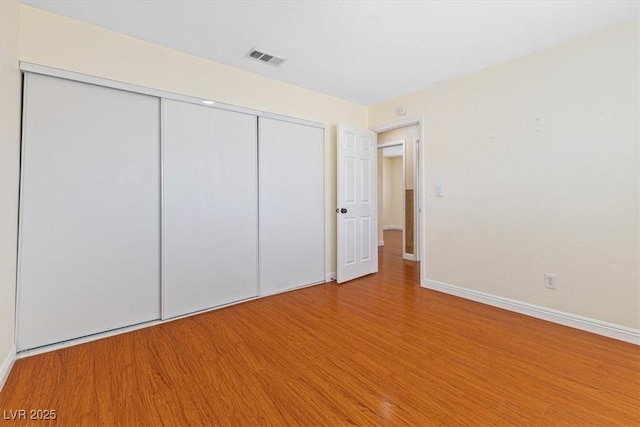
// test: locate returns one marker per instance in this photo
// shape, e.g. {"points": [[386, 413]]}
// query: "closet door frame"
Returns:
{"points": [[27, 67], [100, 81]]}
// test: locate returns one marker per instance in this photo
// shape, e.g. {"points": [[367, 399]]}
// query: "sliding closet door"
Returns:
{"points": [[291, 205], [210, 214], [89, 255]]}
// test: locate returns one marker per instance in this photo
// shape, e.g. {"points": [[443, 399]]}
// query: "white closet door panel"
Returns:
{"points": [[210, 215], [291, 205], [89, 258]]}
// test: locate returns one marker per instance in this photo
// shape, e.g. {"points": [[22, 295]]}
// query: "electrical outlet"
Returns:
{"points": [[550, 281]]}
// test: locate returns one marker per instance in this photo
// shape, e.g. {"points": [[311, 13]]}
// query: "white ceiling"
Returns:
{"points": [[362, 51]]}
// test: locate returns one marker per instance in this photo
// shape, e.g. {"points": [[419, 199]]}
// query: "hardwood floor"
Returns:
{"points": [[376, 351]]}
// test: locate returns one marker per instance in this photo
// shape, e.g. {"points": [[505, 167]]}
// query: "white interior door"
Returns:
{"points": [[357, 208], [89, 255], [210, 207]]}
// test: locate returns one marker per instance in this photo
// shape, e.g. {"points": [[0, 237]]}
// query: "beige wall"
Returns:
{"points": [[539, 161], [10, 104], [56, 41], [392, 213]]}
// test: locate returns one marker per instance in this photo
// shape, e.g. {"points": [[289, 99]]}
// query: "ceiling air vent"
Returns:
{"points": [[267, 58]]}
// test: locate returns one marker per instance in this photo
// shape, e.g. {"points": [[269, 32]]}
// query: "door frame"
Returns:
{"points": [[418, 177], [381, 147]]}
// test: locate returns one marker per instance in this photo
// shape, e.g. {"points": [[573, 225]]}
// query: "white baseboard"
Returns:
{"points": [[409, 257], [606, 329], [123, 330], [380, 242], [6, 366], [330, 277], [113, 332], [295, 288], [392, 227], [90, 338]]}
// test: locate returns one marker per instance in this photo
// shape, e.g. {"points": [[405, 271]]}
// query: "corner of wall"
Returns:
{"points": [[5, 367], [10, 130]]}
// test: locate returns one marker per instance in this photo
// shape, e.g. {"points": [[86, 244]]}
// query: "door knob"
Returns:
{"points": [[343, 210]]}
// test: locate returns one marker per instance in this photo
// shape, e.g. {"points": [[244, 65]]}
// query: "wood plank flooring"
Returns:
{"points": [[376, 351]]}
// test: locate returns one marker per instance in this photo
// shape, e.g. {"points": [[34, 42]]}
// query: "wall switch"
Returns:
{"points": [[550, 281], [439, 190]]}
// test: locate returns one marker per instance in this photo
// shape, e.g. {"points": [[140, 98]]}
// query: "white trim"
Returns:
{"points": [[282, 291], [99, 81], [606, 329], [410, 121], [409, 257], [259, 236], [330, 277], [163, 314], [23, 138], [392, 227], [6, 366], [416, 197], [324, 207], [392, 143], [380, 242], [421, 240], [295, 120]]}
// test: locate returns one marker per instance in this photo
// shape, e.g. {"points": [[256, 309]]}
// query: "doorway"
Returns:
{"points": [[397, 188], [391, 190], [358, 183]]}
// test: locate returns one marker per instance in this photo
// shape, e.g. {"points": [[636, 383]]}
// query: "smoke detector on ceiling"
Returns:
{"points": [[264, 57]]}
